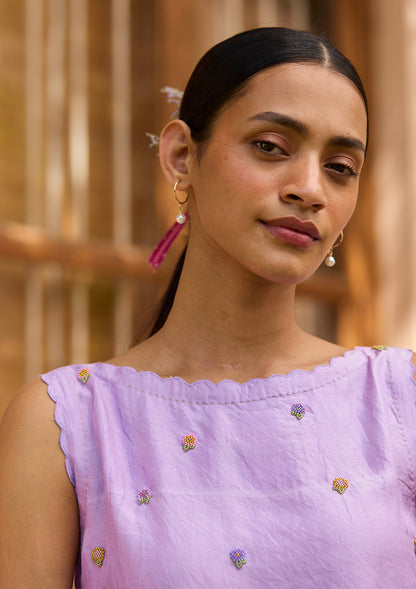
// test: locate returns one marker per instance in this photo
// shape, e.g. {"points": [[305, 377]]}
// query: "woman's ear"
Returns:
{"points": [[176, 150]]}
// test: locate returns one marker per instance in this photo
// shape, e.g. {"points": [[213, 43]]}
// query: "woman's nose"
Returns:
{"points": [[304, 185]]}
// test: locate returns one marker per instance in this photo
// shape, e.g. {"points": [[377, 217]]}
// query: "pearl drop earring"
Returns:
{"points": [[330, 259], [158, 254], [181, 217]]}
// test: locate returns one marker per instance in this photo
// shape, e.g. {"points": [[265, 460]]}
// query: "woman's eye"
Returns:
{"points": [[269, 147], [343, 169]]}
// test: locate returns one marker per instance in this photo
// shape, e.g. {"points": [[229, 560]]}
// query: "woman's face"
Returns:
{"points": [[278, 178]]}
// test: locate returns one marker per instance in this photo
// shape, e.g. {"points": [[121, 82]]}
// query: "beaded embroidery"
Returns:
{"points": [[84, 374], [144, 495], [379, 348], [239, 557], [340, 485], [298, 411], [189, 442], [97, 555]]}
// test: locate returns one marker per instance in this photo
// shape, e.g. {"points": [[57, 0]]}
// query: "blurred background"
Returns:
{"points": [[82, 201]]}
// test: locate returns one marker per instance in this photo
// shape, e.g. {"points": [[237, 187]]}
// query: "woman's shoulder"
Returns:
{"points": [[402, 359], [36, 496], [395, 358], [28, 425], [392, 365], [30, 406]]}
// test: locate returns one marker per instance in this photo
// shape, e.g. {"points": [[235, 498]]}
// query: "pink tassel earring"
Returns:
{"points": [[162, 248]]}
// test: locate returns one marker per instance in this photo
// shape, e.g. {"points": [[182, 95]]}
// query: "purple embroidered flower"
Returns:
{"points": [[239, 557], [298, 411], [340, 485], [84, 374], [144, 495], [97, 555], [189, 441]]}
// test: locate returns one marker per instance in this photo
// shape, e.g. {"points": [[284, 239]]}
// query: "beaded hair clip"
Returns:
{"points": [[173, 96]]}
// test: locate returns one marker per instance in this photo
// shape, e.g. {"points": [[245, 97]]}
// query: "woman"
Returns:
{"points": [[231, 448]]}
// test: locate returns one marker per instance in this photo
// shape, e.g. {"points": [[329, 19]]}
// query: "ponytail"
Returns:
{"points": [[166, 302]]}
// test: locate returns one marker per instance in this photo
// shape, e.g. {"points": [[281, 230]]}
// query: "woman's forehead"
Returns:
{"points": [[303, 91]]}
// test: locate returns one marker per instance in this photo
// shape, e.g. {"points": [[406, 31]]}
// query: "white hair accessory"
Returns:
{"points": [[154, 139], [174, 96]]}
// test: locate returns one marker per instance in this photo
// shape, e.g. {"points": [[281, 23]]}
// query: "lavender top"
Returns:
{"points": [[298, 481]]}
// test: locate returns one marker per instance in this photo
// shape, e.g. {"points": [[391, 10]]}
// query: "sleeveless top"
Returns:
{"points": [[302, 481]]}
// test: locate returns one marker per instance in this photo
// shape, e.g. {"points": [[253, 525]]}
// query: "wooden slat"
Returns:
{"points": [[79, 158], [358, 321], [331, 289], [34, 139], [102, 258]]}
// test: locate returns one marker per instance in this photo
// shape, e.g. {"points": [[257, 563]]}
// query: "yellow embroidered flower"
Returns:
{"points": [[340, 485], [84, 374], [97, 555], [189, 442]]}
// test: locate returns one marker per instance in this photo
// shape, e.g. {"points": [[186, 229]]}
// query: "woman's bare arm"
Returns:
{"points": [[39, 529]]}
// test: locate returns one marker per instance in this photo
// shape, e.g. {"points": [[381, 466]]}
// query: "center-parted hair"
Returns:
{"points": [[223, 72]]}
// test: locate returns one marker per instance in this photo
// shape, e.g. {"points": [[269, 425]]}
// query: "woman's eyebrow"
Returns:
{"points": [[301, 129], [284, 120], [350, 142]]}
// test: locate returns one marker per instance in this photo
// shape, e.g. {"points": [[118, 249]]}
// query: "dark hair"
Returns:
{"points": [[221, 76], [222, 73]]}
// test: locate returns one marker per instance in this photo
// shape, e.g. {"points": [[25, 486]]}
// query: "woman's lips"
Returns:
{"points": [[293, 231]]}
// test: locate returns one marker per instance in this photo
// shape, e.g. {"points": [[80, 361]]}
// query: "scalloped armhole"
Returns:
{"points": [[413, 366], [56, 394]]}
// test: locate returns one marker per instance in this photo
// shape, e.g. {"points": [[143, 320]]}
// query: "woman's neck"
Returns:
{"points": [[222, 327], [235, 315]]}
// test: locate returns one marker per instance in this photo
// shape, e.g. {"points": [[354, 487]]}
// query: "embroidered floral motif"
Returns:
{"points": [[144, 495], [189, 442], [84, 374], [379, 348], [340, 485], [415, 544], [298, 411], [97, 555], [239, 557]]}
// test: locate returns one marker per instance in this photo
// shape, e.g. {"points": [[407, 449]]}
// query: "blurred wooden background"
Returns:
{"points": [[82, 201]]}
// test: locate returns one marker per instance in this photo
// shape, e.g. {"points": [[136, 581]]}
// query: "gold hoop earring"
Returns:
{"points": [[158, 254], [181, 217], [330, 259]]}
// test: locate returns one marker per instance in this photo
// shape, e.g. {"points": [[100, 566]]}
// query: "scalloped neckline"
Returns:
{"points": [[295, 371]]}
